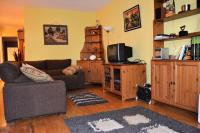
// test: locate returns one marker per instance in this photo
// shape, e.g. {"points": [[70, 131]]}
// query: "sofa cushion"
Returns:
{"points": [[57, 64], [54, 72], [9, 72], [38, 64], [35, 74]]}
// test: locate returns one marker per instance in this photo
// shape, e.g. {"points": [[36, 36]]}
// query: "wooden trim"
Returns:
{"points": [[180, 37], [180, 15]]}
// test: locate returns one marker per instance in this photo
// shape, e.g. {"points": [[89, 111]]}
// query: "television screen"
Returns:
{"points": [[118, 52]]}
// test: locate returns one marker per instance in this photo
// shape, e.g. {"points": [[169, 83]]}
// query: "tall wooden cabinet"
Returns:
{"points": [[174, 82], [122, 79], [93, 46]]}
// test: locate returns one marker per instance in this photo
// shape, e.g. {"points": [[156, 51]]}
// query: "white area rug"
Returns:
{"points": [[136, 119], [159, 129], [105, 125]]}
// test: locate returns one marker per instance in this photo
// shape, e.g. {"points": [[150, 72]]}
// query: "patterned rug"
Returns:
{"points": [[129, 120], [86, 98]]}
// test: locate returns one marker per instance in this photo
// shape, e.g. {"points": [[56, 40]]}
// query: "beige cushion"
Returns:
{"points": [[35, 74], [71, 69]]}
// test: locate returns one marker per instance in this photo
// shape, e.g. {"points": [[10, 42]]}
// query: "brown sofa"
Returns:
{"points": [[54, 68]]}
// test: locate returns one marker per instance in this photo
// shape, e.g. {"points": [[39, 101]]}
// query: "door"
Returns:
{"points": [[187, 84], [162, 75], [9, 45]]}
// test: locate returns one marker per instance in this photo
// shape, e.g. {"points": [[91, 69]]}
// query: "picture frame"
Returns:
{"points": [[169, 7], [132, 18], [55, 34]]}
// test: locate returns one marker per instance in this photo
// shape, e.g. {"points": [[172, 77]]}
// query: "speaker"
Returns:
{"points": [[158, 13], [198, 3]]}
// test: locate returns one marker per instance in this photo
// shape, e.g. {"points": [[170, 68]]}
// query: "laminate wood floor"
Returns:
{"points": [[55, 123]]}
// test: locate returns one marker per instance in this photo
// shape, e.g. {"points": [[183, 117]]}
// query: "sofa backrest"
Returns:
{"points": [[38, 64], [57, 64], [50, 64]]}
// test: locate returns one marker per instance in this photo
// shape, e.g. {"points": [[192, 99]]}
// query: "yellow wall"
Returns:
{"points": [[9, 31], [140, 39], [34, 42]]}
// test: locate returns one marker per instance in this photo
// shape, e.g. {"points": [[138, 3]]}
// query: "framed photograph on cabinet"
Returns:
{"points": [[55, 34], [132, 18]]}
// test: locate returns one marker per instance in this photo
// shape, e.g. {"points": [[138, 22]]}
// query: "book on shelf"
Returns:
{"points": [[184, 53], [181, 53]]}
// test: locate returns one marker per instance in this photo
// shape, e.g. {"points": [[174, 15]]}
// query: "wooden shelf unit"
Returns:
{"points": [[174, 82], [182, 37], [122, 79], [93, 46], [180, 15], [158, 24], [93, 43]]}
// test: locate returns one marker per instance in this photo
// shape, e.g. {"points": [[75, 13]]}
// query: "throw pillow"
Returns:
{"points": [[77, 67], [9, 72], [69, 70], [35, 74]]}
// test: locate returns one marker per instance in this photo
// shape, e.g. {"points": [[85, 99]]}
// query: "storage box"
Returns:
{"points": [[161, 53]]}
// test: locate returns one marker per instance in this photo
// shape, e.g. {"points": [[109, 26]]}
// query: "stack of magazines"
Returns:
{"points": [[161, 37]]}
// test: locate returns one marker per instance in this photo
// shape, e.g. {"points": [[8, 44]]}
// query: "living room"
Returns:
{"points": [[32, 16]]}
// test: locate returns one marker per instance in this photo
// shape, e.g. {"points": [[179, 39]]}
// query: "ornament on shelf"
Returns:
{"points": [[183, 32], [169, 7]]}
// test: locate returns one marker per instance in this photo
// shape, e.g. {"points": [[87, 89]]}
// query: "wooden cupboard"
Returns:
{"points": [[122, 79], [93, 70], [176, 83]]}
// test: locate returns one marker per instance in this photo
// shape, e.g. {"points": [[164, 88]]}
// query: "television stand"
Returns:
{"points": [[122, 79]]}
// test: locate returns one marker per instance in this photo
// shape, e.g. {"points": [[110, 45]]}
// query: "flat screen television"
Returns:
{"points": [[118, 53]]}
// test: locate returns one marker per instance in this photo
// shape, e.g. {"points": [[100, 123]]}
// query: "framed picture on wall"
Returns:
{"points": [[132, 18], [55, 34]]}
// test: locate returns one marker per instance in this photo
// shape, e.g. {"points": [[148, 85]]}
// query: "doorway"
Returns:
{"points": [[9, 46]]}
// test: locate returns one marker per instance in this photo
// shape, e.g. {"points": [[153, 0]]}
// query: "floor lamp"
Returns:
{"points": [[107, 29]]}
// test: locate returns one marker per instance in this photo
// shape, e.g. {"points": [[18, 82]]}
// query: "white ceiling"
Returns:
{"points": [[12, 11]]}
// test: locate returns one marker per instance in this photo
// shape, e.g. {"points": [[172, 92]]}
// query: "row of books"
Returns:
{"points": [[188, 52]]}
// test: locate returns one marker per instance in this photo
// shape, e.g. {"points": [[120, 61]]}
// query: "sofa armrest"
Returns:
{"points": [[81, 75], [24, 100]]}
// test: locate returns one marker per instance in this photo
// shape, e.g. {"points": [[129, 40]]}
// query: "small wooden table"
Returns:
{"points": [[2, 114]]}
